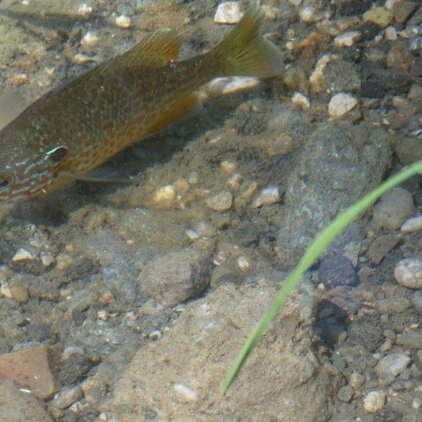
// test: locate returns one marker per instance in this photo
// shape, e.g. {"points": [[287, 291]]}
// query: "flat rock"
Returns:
{"points": [[178, 377], [17, 406], [29, 368], [176, 276]]}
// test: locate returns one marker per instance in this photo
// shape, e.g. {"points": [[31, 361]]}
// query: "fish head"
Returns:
{"points": [[24, 174]]}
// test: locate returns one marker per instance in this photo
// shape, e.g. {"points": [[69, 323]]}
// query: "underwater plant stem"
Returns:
{"points": [[320, 243]]}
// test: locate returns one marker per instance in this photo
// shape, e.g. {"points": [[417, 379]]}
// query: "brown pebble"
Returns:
{"points": [[402, 10], [19, 293], [29, 368], [381, 246], [107, 298], [399, 57]]}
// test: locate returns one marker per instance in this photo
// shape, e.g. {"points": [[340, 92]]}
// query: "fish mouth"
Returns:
{"points": [[24, 188]]}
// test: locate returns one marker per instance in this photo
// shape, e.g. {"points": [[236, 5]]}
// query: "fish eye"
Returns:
{"points": [[5, 181], [57, 154]]}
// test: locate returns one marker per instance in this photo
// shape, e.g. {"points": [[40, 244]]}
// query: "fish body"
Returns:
{"points": [[72, 130]]}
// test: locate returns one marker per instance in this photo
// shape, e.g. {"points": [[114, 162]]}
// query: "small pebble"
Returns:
{"points": [[341, 104], [221, 202], [89, 39], [228, 13], [347, 39], [374, 401], [394, 208], [408, 273], [5, 290], [22, 255], [19, 293], [390, 33], [63, 261], [47, 259], [19, 79], [309, 14], [417, 300], [379, 16], [82, 58], [345, 393], [164, 197], [317, 80], [301, 101], [226, 86], [193, 178], [186, 392], [412, 225], [181, 185], [392, 365], [228, 166], [123, 21], [84, 9], [192, 234], [356, 380], [243, 263], [102, 315], [67, 397], [246, 193], [268, 196], [234, 182]]}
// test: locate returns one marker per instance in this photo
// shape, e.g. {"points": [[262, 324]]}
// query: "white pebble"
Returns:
{"points": [[347, 39], [186, 392], [300, 100], [374, 401], [123, 21], [243, 263], [268, 196], [224, 86], [84, 9], [228, 166], [192, 234], [308, 15], [234, 182], [220, 202], [47, 259], [5, 290], [164, 196], [102, 315], [341, 104], [22, 255], [408, 273], [390, 33], [228, 13], [89, 39], [412, 225], [317, 80]]}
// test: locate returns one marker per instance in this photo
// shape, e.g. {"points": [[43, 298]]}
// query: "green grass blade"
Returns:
{"points": [[320, 243]]}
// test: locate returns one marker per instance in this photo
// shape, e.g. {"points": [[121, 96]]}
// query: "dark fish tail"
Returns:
{"points": [[245, 53]]}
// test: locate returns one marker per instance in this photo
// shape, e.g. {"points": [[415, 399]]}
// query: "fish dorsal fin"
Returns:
{"points": [[154, 50]]}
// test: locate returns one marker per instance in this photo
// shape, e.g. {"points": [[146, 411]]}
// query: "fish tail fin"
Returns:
{"points": [[245, 53]]}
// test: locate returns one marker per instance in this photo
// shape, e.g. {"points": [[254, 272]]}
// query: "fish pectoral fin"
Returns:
{"points": [[154, 50], [98, 179], [180, 108]]}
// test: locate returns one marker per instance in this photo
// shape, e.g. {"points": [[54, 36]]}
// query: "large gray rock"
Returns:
{"points": [[178, 377], [338, 165]]}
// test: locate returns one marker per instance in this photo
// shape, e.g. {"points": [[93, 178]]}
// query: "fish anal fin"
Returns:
{"points": [[178, 109]]}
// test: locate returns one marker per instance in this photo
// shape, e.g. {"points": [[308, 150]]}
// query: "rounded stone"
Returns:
{"points": [[394, 208], [408, 273], [374, 401]]}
